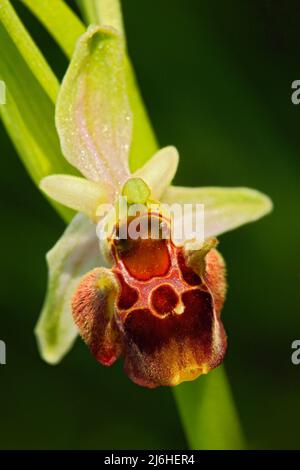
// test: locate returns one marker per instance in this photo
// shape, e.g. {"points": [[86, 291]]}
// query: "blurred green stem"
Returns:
{"points": [[59, 20], [208, 412]]}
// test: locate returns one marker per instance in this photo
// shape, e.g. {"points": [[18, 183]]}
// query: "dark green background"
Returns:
{"points": [[216, 77]]}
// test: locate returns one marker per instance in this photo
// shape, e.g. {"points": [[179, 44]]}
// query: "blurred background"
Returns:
{"points": [[216, 78]]}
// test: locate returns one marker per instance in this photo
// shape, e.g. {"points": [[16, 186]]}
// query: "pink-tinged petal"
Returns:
{"points": [[93, 308], [93, 115]]}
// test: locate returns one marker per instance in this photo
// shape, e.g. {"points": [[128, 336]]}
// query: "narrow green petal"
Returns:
{"points": [[224, 208], [59, 20], [160, 170], [74, 254], [208, 413], [76, 193], [93, 115], [28, 113]]}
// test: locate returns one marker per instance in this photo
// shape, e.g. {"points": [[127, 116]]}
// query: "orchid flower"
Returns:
{"points": [[152, 302]]}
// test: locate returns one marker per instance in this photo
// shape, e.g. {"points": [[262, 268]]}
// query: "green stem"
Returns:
{"points": [[28, 49], [104, 12], [59, 20], [88, 11], [208, 413]]}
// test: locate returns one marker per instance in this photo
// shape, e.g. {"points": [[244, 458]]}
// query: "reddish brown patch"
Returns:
{"points": [[164, 299], [146, 259], [187, 273], [128, 295], [215, 278], [151, 333]]}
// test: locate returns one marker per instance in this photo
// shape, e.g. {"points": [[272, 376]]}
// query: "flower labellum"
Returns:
{"points": [[153, 309]]}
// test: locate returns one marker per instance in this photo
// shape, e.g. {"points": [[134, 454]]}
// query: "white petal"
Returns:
{"points": [[75, 192], [224, 208]]}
